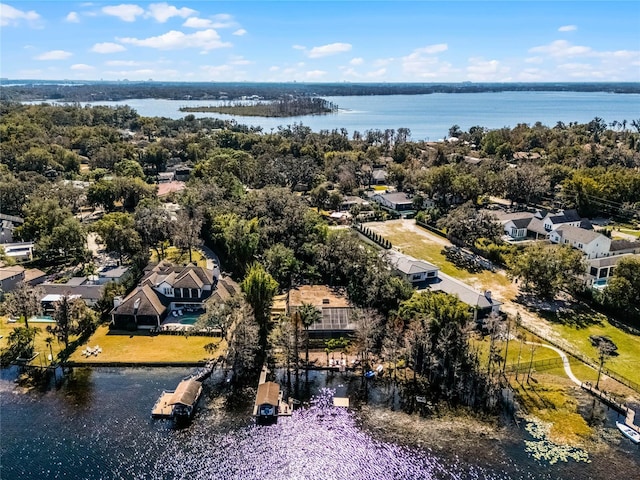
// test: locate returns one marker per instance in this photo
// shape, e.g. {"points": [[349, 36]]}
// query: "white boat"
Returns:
{"points": [[628, 432]]}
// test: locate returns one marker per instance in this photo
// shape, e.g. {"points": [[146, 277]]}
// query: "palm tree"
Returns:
{"points": [[308, 315]]}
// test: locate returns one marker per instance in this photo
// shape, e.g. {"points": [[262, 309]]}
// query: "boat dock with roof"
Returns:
{"points": [[270, 403], [181, 402]]}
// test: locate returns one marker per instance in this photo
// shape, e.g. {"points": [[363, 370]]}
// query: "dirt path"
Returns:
{"points": [[565, 361]]}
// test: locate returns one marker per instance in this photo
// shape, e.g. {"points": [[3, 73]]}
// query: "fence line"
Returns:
{"points": [[582, 358]]}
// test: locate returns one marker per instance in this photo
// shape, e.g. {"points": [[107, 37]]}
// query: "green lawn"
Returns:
{"points": [[40, 341], [423, 248], [629, 231], [141, 347]]}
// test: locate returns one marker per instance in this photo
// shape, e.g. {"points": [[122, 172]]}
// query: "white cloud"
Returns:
{"points": [[314, 74], [122, 63], [10, 16], [195, 22], [163, 12], [125, 12], [107, 47], [73, 17], [534, 60], [221, 20], [240, 32], [327, 50], [299, 47], [432, 49], [356, 61], [239, 60], [82, 67], [54, 55], [422, 63], [274, 68], [568, 28], [143, 74], [561, 48], [481, 70], [175, 40]]}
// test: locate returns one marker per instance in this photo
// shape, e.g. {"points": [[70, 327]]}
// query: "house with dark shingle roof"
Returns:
{"points": [[565, 217], [165, 288]]}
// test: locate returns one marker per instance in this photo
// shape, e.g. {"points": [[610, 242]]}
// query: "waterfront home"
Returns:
{"points": [[166, 288], [333, 304], [417, 272], [481, 304], [80, 287]]}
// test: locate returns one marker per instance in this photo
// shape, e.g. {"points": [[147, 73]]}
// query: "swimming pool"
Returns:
{"points": [[42, 319]]}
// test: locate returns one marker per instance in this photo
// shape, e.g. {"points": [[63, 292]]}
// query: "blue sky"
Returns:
{"points": [[322, 41]]}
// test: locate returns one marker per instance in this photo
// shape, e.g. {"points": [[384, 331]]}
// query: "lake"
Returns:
{"points": [[429, 117], [98, 426]]}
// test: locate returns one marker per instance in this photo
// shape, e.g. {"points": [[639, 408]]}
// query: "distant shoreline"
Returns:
{"points": [[65, 91]]}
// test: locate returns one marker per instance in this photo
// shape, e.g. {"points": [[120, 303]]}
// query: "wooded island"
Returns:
{"points": [[285, 107]]}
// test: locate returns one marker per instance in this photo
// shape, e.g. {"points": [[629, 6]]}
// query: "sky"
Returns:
{"points": [[322, 41]]}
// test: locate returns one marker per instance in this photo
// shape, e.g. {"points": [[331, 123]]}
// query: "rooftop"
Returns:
{"points": [[318, 295], [268, 393], [577, 234], [464, 292], [407, 264]]}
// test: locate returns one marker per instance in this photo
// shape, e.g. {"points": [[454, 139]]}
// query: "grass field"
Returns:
{"points": [[141, 347], [40, 340], [417, 242]]}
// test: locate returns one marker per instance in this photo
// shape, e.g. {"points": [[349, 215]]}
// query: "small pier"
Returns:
{"points": [[181, 402], [270, 403], [622, 409]]}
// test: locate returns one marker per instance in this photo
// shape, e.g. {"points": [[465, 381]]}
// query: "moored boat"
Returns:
{"points": [[628, 432]]}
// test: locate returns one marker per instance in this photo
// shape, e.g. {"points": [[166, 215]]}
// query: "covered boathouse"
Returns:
{"points": [[267, 402]]}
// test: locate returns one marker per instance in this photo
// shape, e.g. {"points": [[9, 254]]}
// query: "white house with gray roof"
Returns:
{"points": [[481, 304], [590, 242], [416, 272]]}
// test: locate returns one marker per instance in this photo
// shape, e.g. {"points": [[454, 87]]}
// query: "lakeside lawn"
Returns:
{"points": [[142, 347], [40, 344], [575, 334]]}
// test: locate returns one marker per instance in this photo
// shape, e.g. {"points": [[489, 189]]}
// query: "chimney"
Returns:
{"points": [[117, 301]]}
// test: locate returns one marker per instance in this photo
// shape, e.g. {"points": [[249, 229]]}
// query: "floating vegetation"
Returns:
{"points": [[544, 449]]}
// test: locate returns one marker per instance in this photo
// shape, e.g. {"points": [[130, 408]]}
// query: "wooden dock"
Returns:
{"points": [[629, 414], [162, 409]]}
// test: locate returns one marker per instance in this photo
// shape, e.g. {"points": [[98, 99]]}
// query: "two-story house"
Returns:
{"points": [[417, 272], [165, 288], [590, 242]]}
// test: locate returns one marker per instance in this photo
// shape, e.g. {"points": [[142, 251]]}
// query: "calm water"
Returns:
{"points": [[98, 426], [430, 116]]}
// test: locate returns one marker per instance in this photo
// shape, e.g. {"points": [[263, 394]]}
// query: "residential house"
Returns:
{"points": [[590, 242], [417, 272], [168, 288], [19, 251], [85, 288], [10, 277], [553, 221], [166, 177], [333, 304], [350, 201], [33, 276], [620, 247], [397, 201], [600, 270], [480, 304], [379, 177], [8, 223]]}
